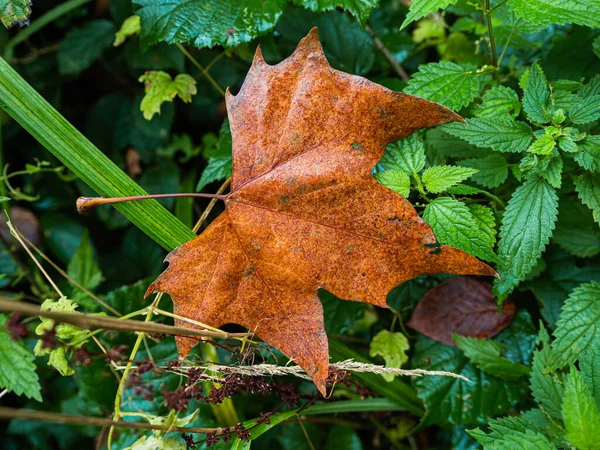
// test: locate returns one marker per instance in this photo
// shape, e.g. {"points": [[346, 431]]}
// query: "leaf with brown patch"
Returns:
{"points": [[304, 211], [461, 305]]}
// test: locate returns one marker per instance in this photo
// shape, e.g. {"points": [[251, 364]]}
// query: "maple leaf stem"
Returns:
{"points": [[85, 204]]}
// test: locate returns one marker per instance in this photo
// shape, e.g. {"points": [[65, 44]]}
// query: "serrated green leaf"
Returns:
{"points": [[536, 95], [591, 88], [596, 46], [589, 153], [565, 100], [487, 356], [15, 12], [497, 134], [498, 102], [580, 414], [464, 189], [361, 9], [130, 27], [553, 172], [422, 8], [484, 217], [446, 83], [453, 224], [407, 155], [544, 145], [578, 326], [545, 12], [439, 178], [576, 231], [160, 87], [586, 111], [82, 46], [491, 171], [396, 180], [392, 347], [547, 388], [589, 364], [510, 433], [205, 23], [17, 368], [527, 226], [588, 191], [219, 159]]}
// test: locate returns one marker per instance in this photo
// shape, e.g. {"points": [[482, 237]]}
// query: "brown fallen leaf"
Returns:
{"points": [[304, 211], [461, 305]]}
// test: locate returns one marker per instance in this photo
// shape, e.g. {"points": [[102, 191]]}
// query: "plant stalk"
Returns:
{"points": [[85, 204]]}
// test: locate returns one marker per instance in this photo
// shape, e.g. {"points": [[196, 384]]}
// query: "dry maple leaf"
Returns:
{"points": [[304, 211], [461, 305]]}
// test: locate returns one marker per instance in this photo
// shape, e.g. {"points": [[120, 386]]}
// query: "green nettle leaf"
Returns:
{"points": [[17, 367], [586, 111], [130, 27], [578, 326], [484, 217], [439, 178], [422, 8], [498, 102], [596, 46], [492, 171], [15, 12], [205, 23], [536, 98], [510, 433], [545, 12], [527, 226], [464, 189], [547, 388], [487, 356], [445, 82], [576, 231], [396, 180], [589, 153], [544, 145], [219, 159], [407, 155], [361, 9], [553, 172], [453, 224], [392, 347], [580, 413], [84, 270], [160, 88], [591, 88], [589, 364], [497, 134], [588, 191], [82, 46]]}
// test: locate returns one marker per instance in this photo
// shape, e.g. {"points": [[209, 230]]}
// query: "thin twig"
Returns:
{"points": [[211, 205], [388, 55], [88, 321], [488, 19], [84, 204], [202, 69], [47, 416]]}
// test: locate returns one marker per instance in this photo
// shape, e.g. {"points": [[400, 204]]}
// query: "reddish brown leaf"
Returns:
{"points": [[461, 305], [304, 212]]}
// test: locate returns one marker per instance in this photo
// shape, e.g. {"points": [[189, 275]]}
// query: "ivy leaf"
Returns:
{"points": [[586, 111], [439, 178], [487, 356], [453, 224], [446, 83], [547, 388], [580, 413], [527, 226], [160, 88], [497, 134], [18, 368], [578, 326], [536, 98], [396, 180], [544, 145], [589, 153], [498, 102], [82, 46], [392, 347], [545, 12], [130, 27], [15, 12], [219, 159], [588, 191], [492, 171], [510, 433], [422, 8], [407, 155], [194, 21]]}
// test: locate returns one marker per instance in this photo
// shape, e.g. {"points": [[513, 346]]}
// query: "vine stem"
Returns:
{"points": [[85, 204], [47, 416]]}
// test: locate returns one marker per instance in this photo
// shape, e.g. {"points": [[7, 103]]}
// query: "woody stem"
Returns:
{"points": [[84, 204]]}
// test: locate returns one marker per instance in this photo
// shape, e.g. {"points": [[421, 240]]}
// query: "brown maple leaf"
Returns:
{"points": [[461, 305], [304, 212]]}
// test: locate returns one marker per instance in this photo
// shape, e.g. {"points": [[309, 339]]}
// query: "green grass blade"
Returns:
{"points": [[75, 151], [345, 406]]}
